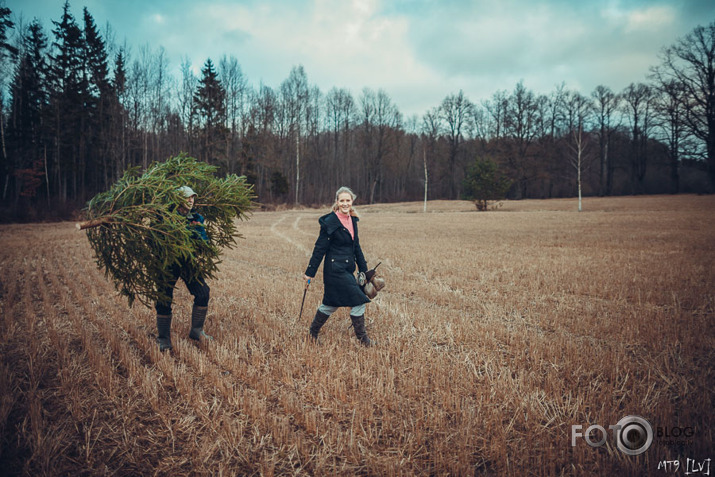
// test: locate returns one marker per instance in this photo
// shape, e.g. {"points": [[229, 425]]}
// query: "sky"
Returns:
{"points": [[417, 51]]}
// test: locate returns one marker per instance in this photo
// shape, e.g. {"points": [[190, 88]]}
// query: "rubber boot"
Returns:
{"points": [[198, 317], [360, 332], [318, 322], [163, 327]]}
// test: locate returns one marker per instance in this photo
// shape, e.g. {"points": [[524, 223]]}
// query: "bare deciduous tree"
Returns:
{"points": [[638, 108], [691, 63], [606, 106], [522, 127], [457, 113], [670, 110], [235, 84]]}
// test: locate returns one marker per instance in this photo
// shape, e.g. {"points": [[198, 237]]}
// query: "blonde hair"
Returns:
{"points": [[344, 190]]}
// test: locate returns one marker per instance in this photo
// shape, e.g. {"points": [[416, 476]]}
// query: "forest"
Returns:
{"points": [[77, 110]]}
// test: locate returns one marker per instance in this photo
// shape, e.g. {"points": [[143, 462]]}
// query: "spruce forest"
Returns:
{"points": [[77, 111]]}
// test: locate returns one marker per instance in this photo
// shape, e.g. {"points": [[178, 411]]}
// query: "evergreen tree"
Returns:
{"points": [[210, 109], [66, 73], [5, 25], [485, 183], [28, 108], [97, 105], [118, 120], [7, 51]]}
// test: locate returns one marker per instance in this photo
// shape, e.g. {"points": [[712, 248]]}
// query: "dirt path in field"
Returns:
{"points": [[278, 222]]}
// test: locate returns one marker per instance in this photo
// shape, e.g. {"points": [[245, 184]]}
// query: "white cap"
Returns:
{"points": [[187, 191]]}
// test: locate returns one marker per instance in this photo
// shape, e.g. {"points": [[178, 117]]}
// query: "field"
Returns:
{"points": [[496, 333]]}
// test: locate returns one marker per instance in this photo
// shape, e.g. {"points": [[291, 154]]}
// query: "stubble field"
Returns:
{"points": [[497, 332]]}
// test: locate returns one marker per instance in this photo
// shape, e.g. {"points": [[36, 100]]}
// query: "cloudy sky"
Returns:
{"points": [[418, 51]]}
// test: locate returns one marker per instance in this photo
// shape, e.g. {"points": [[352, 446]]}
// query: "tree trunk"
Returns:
{"points": [[424, 160], [372, 190], [297, 167], [578, 175], [88, 224], [47, 177]]}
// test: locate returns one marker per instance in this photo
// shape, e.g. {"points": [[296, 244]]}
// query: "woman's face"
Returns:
{"points": [[345, 202]]}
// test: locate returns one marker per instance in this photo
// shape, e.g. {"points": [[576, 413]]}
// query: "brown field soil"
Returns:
{"points": [[497, 332]]}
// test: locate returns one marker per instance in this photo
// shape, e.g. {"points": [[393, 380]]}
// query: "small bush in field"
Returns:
{"points": [[485, 183]]}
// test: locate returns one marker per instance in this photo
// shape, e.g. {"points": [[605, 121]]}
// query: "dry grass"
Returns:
{"points": [[497, 332]]}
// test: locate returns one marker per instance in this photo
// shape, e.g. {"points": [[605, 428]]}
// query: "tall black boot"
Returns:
{"points": [[318, 322], [360, 332], [163, 328], [198, 317]]}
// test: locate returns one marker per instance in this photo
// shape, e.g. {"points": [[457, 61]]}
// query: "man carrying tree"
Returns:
{"points": [[195, 283], [146, 234]]}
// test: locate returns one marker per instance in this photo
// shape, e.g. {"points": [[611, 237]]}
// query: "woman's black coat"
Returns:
{"points": [[341, 253]]}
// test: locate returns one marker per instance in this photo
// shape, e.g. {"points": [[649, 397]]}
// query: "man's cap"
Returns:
{"points": [[187, 191]]}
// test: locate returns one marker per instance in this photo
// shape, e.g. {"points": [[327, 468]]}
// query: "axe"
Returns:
{"points": [[305, 290]]}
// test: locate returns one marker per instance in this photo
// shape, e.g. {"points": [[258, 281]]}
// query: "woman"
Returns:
{"points": [[197, 286], [338, 242]]}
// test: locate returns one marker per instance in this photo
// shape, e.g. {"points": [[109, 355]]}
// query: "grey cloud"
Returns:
{"points": [[544, 43]]}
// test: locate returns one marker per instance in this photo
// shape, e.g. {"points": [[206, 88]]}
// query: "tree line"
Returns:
{"points": [[77, 111]]}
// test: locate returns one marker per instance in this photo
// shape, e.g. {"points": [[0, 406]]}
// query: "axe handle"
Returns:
{"points": [[305, 290]]}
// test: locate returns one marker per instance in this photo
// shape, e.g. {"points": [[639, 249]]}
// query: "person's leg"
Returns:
{"points": [[357, 316], [327, 310], [321, 316], [201, 292], [163, 315], [358, 310]]}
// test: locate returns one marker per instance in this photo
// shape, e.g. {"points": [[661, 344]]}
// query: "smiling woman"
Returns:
{"points": [[338, 242]]}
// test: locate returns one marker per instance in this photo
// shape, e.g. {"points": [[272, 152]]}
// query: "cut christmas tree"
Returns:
{"points": [[137, 233]]}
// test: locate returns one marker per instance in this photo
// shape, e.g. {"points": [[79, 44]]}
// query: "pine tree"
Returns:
{"points": [[28, 107], [66, 101], [118, 116], [484, 183], [7, 51], [98, 99], [6, 24], [136, 234], [210, 108]]}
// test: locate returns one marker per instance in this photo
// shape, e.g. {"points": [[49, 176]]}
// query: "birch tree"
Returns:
{"points": [[578, 109], [295, 94]]}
